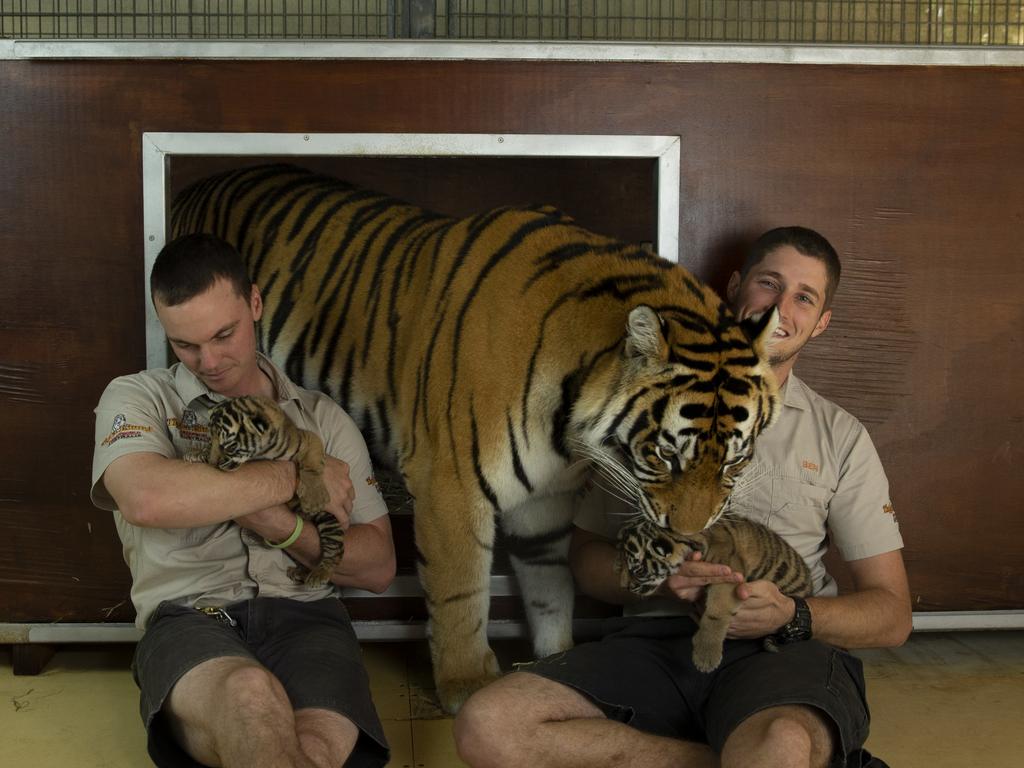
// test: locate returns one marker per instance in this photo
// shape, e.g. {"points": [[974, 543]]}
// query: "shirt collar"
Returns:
{"points": [[190, 387], [794, 393]]}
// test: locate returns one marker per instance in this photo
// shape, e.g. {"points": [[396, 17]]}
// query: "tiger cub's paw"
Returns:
{"points": [[319, 576], [298, 573], [707, 654], [311, 492]]}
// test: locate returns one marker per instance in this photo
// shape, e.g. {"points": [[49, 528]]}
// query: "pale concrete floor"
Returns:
{"points": [[944, 700]]}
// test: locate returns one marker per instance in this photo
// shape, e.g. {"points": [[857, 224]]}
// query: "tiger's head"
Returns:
{"points": [[694, 395], [647, 555], [242, 428]]}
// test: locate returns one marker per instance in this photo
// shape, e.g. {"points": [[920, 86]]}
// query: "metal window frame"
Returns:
{"points": [[159, 148], [490, 50], [390, 630]]}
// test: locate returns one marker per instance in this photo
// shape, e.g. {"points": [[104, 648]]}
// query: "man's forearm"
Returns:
{"points": [[593, 567], [156, 492], [873, 618], [369, 559]]}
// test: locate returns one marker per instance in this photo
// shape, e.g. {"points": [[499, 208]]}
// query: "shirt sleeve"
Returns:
{"points": [[343, 440], [861, 517], [129, 419], [599, 512]]}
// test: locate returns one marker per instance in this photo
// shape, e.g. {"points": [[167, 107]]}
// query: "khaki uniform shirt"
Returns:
{"points": [[815, 478], [165, 411]]}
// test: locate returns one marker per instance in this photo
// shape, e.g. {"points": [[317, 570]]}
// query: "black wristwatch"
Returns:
{"points": [[799, 628]]}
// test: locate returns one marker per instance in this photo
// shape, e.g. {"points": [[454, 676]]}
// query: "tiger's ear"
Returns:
{"points": [[760, 330], [645, 339]]}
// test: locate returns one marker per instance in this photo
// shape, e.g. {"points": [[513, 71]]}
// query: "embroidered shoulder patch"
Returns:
{"points": [[372, 482], [808, 464], [121, 429], [889, 510], [189, 428]]}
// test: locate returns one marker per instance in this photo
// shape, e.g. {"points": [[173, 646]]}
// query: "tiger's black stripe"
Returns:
{"points": [[478, 469], [517, 463]]}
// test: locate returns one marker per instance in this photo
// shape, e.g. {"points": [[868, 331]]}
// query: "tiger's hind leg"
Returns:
{"points": [[720, 606], [332, 548], [538, 534], [454, 542]]}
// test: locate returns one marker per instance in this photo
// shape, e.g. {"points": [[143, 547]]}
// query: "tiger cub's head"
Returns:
{"points": [[696, 391], [244, 428]]}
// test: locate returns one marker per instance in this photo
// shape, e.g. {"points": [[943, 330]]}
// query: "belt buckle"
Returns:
{"points": [[219, 614]]}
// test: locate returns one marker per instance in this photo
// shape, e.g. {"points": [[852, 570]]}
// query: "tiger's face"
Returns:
{"points": [[241, 429], [647, 555], [701, 393]]}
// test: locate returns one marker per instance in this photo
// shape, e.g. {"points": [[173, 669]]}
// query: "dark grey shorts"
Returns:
{"points": [[642, 674], [310, 647]]}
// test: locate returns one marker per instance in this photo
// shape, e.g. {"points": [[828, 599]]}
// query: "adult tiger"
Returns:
{"points": [[485, 357]]}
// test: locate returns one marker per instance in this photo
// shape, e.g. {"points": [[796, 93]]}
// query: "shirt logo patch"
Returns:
{"points": [[889, 510], [808, 464], [189, 428], [121, 429], [372, 482]]}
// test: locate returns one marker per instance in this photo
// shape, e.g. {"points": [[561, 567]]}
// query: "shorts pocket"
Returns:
{"points": [[846, 683]]}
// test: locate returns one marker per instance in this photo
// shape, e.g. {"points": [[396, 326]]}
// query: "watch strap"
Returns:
{"points": [[798, 628]]}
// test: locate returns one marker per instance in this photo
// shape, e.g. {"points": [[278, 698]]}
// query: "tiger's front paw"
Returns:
{"points": [[454, 693], [312, 493]]}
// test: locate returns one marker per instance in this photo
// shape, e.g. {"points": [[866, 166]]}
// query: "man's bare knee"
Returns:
{"points": [[495, 726], [325, 737], [482, 730], [785, 735], [195, 712], [255, 689]]}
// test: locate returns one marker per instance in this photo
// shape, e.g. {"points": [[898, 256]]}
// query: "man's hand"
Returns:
{"points": [[339, 486], [692, 575], [276, 523], [762, 611]]}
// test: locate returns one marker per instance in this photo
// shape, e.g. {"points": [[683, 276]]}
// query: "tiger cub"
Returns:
{"points": [[254, 427], [649, 554]]}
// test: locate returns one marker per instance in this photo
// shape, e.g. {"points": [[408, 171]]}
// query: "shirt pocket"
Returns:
{"points": [[797, 506]]}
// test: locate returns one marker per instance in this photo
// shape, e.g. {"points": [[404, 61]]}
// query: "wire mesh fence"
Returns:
{"points": [[908, 22], [199, 19]]}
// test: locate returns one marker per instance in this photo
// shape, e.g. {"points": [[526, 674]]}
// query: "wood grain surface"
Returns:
{"points": [[914, 173]]}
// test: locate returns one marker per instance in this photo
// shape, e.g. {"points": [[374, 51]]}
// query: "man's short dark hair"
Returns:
{"points": [[189, 265], [805, 241]]}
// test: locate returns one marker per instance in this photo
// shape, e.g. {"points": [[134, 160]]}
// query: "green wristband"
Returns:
{"points": [[291, 539]]}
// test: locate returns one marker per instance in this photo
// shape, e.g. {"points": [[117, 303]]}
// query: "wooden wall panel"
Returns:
{"points": [[912, 172]]}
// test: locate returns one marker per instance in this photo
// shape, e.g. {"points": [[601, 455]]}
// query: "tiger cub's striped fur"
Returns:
{"points": [[493, 359], [252, 427], [649, 554]]}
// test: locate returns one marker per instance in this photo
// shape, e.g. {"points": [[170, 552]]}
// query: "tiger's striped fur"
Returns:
{"points": [[252, 427], [649, 554], [492, 359]]}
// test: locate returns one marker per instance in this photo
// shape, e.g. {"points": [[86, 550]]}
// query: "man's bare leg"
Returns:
{"points": [[325, 737], [525, 719], [780, 737], [230, 712]]}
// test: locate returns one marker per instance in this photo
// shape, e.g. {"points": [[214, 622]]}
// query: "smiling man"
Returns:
{"points": [[634, 697]]}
